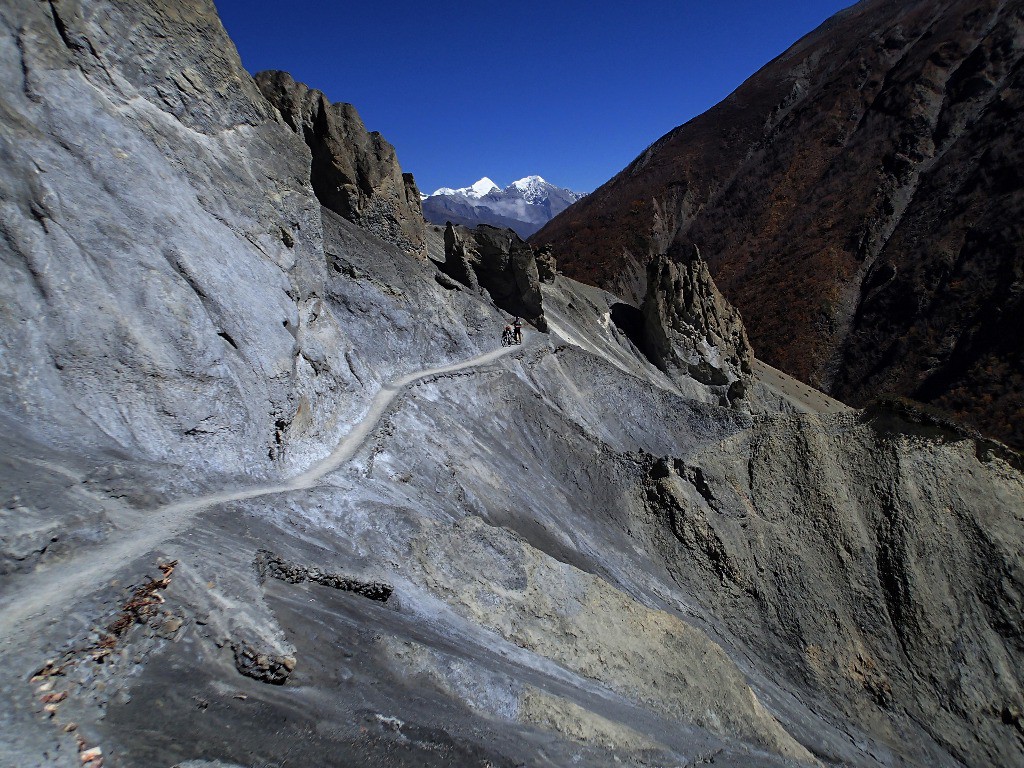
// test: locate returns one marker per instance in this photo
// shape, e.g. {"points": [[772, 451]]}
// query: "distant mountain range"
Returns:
{"points": [[525, 205]]}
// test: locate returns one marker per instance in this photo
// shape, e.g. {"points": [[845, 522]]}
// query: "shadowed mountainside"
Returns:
{"points": [[860, 201]]}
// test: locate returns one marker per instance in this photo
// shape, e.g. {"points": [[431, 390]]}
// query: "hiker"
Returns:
{"points": [[518, 327]]}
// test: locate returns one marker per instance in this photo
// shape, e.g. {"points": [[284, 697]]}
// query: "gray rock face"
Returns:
{"points": [[267, 668], [355, 173], [271, 492], [689, 327], [761, 526], [547, 267], [153, 292], [498, 261]]}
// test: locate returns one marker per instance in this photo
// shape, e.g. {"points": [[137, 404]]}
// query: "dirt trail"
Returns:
{"points": [[40, 596]]}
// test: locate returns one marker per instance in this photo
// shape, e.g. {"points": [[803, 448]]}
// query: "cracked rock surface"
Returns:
{"points": [[499, 262], [353, 172], [689, 327]]}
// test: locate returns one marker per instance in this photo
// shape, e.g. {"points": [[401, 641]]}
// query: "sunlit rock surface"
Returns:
{"points": [[689, 327]]}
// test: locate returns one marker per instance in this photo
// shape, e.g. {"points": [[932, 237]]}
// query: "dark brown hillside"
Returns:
{"points": [[859, 200]]}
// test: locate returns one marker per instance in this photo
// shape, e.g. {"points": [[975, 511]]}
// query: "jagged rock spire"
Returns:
{"points": [[690, 328], [355, 173], [500, 262]]}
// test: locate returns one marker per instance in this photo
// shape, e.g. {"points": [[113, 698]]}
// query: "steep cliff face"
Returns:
{"points": [[355, 173], [499, 262], [273, 493], [859, 200], [153, 295]]}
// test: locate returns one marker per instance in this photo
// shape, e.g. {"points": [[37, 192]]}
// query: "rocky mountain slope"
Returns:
{"points": [[274, 494], [524, 205], [860, 201], [354, 173]]}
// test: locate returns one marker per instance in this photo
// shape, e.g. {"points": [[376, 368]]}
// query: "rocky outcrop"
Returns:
{"points": [[689, 329], [547, 267], [267, 564], [500, 262], [273, 669], [355, 173], [794, 544], [859, 200]]}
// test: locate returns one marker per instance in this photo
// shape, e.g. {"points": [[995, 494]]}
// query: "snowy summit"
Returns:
{"points": [[475, 191], [525, 205], [533, 188]]}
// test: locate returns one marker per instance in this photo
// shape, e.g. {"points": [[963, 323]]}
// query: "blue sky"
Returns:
{"points": [[571, 91]]}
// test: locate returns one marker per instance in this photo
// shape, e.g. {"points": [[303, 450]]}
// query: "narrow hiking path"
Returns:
{"points": [[38, 597]]}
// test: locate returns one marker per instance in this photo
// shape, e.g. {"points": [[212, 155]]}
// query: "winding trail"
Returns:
{"points": [[38, 597]]}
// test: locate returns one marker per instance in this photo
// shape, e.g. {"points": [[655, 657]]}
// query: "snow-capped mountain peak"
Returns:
{"points": [[482, 187], [527, 182], [475, 191], [524, 205], [533, 189]]}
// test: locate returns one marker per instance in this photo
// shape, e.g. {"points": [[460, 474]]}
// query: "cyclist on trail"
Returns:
{"points": [[518, 328]]}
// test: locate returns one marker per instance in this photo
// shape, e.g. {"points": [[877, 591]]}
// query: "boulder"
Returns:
{"points": [[274, 669], [689, 329], [501, 263], [354, 172]]}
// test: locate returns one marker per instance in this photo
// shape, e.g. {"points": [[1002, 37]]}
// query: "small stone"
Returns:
{"points": [[90, 754], [170, 626], [70, 727]]}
